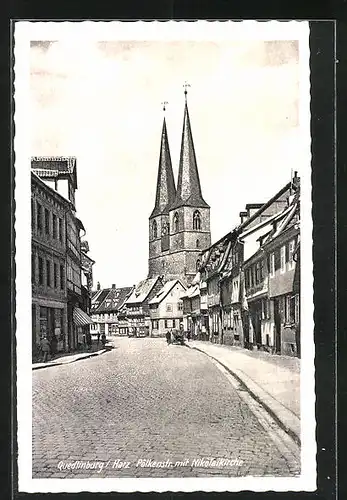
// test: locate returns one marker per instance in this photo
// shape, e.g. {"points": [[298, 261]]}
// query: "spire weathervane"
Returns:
{"points": [[186, 85], [164, 105]]}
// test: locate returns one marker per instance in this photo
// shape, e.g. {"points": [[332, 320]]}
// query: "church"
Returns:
{"points": [[179, 225]]}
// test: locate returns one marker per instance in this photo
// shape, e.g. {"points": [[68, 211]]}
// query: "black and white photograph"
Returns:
{"points": [[164, 289]]}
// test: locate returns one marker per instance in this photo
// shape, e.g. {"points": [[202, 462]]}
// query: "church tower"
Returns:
{"points": [[179, 226], [189, 214], [159, 222]]}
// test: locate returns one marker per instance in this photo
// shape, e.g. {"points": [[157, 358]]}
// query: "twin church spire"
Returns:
{"points": [[188, 191]]}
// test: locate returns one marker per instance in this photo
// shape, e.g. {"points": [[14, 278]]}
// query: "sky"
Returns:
{"points": [[101, 102]]}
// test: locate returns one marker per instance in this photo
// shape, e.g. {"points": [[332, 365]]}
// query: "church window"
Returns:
{"points": [[154, 229], [196, 220], [176, 222], [197, 243]]}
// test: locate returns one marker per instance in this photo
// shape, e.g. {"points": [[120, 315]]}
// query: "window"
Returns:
{"points": [[168, 307], [165, 323], [283, 259], [60, 229], [55, 275], [62, 277], [296, 308], [168, 228], [39, 217], [47, 220], [180, 306], [33, 268], [32, 214], [272, 265], [197, 243], [40, 271], [54, 223], [266, 309], [48, 272], [196, 220], [176, 222], [261, 270], [197, 265], [154, 229], [291, 248], [155, 324]]}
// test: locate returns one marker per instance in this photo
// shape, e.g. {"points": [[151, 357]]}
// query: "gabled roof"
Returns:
{"points": [[114, 300], [188, 186], [142, 290], [97, 300], [289, 218], [192, 291], [166, 190], [163, 292], [55, 166]]}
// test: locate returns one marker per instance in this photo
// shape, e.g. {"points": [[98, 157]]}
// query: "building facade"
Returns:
{"points": [[179, 225], [105, 310], [48, 265], [59, 303], [136, 312], [166, 308]]}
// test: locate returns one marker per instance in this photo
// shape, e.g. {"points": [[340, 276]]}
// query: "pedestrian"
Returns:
{"points": [[89, 341], [168, 337], [98, 338], [45, 348], [188, 335], [54, 344], [103, 339]]}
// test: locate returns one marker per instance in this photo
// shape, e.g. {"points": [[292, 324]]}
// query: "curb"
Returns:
{"points": [[268, 406], [69, 362]]}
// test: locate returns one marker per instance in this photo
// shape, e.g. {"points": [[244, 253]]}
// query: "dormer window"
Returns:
{"points": [[154, 229], [176, 222], [197, 220]]}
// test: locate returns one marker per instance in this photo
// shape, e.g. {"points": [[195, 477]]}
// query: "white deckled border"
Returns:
{"points": [[25, 31]]}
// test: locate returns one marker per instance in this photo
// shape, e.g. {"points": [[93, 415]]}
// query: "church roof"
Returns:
{"points": [[188, 186], [166, 190]]}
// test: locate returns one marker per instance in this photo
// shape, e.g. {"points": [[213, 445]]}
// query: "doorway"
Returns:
{"points": [[277, 319]]}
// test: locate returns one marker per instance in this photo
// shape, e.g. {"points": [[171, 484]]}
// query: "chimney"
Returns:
{"points": [[252, 208], [113, 286], [98, 285], [243, 216]]}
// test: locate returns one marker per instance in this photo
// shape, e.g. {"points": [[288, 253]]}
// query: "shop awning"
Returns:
{"points": [[81, 318]]}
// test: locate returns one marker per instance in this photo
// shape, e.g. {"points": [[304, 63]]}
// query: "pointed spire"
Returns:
{"points": [[166, 190], [188, 186]]}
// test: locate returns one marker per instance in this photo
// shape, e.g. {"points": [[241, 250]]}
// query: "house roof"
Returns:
{"points": [[36, 178], [165, 290], [192, 291], [97, 300], [114, 300], [142, 290], [54, 166]]}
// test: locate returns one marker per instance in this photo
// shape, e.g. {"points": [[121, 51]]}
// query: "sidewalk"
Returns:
{"points": [[64, 360], [273, 380]]}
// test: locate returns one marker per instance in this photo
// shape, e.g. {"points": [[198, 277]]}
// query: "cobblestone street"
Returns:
{"points": [[145, 400]]}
